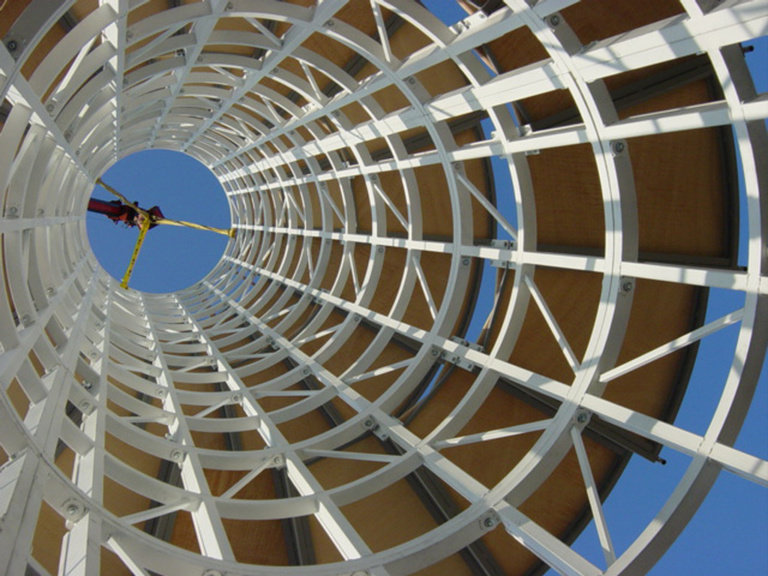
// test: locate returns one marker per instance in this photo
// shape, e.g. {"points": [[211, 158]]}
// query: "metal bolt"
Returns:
{"points": [[627, 285], [465, 261], [26, 319], [328, 24], [368, 423], [380, 249], [129, 35], [177, 455], [618, 147], [489, 523], [85, 406], [12, 210], [68, 135], [230, 6], [50, 107], [554, 20], [72, 510], [582, 418], [356, 318], [434, 352], [87, 385], [12, 45], [411, 80], [305, 371], [457, 166], [236, 398], [50, 290]]}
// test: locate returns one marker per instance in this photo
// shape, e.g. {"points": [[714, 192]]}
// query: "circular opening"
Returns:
{"points": [[171, 257]]}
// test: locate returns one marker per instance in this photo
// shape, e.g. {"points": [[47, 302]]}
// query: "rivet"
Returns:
{"points": [[488, 522], [582, 418], [380, 249], [50, 107], [627, 285], [305, 371], [554, 20], [465, 261], [72, 510], [618, 147], [12, 45]]}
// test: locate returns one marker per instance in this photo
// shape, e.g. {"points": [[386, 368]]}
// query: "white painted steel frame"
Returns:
{"points": [[86, 335]]}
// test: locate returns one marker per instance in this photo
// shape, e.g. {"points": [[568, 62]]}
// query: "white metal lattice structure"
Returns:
{"points": [[103, 389]]}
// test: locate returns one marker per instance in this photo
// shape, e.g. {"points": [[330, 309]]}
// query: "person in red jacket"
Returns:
{"points": [[116, 211]]}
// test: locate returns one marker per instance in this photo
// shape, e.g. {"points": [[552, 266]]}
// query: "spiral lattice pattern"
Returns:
{"points": [[554, 178]]}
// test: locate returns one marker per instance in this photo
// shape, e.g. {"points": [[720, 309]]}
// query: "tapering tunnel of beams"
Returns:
{"points": [[468, 282]]}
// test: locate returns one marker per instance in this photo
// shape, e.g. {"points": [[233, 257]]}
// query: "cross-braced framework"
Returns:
{"points": [[314, 405]]}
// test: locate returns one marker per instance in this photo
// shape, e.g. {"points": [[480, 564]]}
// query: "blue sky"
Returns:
{"points": [[729, 533], [171, 258]]}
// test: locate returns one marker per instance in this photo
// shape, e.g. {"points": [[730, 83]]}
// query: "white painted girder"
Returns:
{"points": [[276, 222]]}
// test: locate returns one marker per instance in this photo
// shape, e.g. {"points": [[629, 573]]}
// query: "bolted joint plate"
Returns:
{"points": [[371, 425], [489, 521], [73, 511], [458, 357]]}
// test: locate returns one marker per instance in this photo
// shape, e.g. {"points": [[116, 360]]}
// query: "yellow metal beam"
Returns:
{"points": [[142, 234], [230, 233], [125, 200], [167, 221]]}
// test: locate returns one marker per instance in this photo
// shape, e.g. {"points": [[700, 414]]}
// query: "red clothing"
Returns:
{"points": [[119, 212]]}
